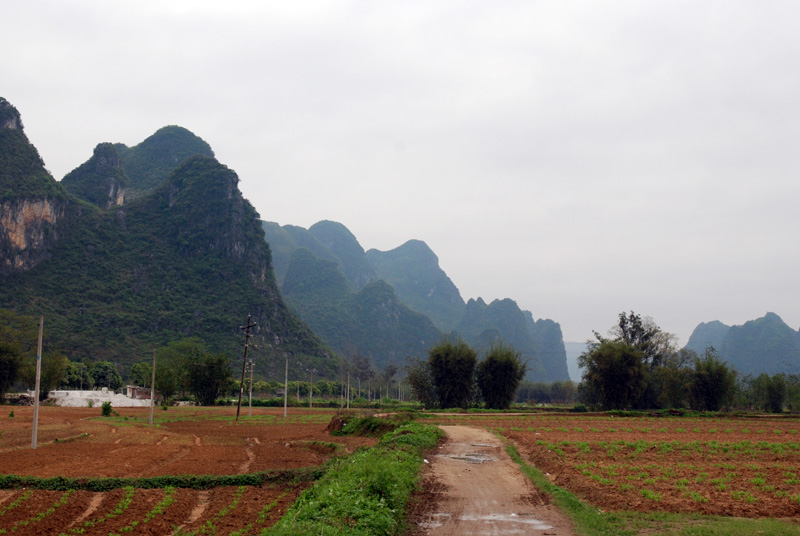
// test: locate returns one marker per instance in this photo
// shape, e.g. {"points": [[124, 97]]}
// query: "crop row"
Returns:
{"points": [[631, 449], [162, 510], [175, 481]]}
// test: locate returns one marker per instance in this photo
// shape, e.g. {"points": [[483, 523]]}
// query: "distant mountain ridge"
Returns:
{"points": [[420, 303], [764, 345], [413, 270]]}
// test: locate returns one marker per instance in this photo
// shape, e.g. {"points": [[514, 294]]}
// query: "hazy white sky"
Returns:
{"points": [[581, 158]]}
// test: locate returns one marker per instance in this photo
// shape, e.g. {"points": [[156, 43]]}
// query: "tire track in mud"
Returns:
{"points": [[203, 500], [93, 506], [154, 469], [251, 455]]}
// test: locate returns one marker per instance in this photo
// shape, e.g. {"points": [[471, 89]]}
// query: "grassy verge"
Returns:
{"points": [[589, 521], [364, 494]]}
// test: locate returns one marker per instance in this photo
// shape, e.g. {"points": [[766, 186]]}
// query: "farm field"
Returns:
{"points": [[78, 443], [743, 467]]}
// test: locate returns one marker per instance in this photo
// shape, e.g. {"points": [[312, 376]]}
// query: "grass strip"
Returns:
{"points": [[366, 493], [175, 481], [588, 520]]}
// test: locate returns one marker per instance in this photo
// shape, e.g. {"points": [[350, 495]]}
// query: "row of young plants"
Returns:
{"points": [[135, 526], [60, 483], [61, 501], [630, 449], [588, 520]]}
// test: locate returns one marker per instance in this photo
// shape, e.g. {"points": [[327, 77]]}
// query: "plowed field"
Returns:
{"points": [[748, 467], [78, 443]]}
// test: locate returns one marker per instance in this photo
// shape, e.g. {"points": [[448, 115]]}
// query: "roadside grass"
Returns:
{"points": [[363, 494], [589, 521]]}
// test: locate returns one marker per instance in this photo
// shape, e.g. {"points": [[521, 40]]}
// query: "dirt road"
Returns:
{"points": [[482, 491]]}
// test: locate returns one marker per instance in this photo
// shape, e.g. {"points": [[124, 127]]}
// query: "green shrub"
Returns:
{"points": [[105, 410]]}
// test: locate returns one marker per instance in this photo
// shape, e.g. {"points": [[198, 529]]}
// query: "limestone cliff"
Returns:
{"points": [[33, 206], [27, 228]]}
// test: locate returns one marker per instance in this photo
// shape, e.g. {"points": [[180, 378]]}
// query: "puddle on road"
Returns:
{"points": [[470, 458], [530, 522]]}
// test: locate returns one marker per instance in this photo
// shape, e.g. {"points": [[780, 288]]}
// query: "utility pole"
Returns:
{"points": [[244, 363], [36, 390], [153, 388], [250, 395], [348, 389], [286, 387], [311, 388]]}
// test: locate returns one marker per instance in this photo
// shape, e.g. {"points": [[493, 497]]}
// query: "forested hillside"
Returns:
{"points": [[186, 260]]}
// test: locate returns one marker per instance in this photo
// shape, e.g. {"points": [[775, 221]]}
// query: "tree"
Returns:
{"points": [[209, 376], [775, 393], [563, 392], [671, 379], [104, 374], [362, 370], [54, 369], [712, 382], [167, 381], [77, 376], [644, 335], [10, 365], [537, 392], [655, 345], [418, 376], [499, 375], [174, 360], [452, 367], [388, 377], [141, 374], [614, 373], [23, 331]]}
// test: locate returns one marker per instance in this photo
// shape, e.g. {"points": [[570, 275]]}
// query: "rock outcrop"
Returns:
{"points": [[100, 180], [33, 206]]}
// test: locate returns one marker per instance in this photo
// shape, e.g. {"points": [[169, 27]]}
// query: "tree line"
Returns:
{"points": [[185, 369], [452, 377], [640, 367]]}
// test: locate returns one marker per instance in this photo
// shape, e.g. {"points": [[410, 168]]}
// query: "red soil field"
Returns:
{"points": [[747, 467], [77, 442]]}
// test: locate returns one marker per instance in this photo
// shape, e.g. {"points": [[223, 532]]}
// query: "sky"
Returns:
{"points": [[582, 158]]}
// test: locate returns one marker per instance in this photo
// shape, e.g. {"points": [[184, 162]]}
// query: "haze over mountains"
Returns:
{"points": [[142, 245], [395, 304], [764, 345]]}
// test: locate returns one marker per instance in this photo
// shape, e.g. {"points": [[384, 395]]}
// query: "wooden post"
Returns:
{"points": [[250, 394], [36, 389], [153, 388], [286, 387]]}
